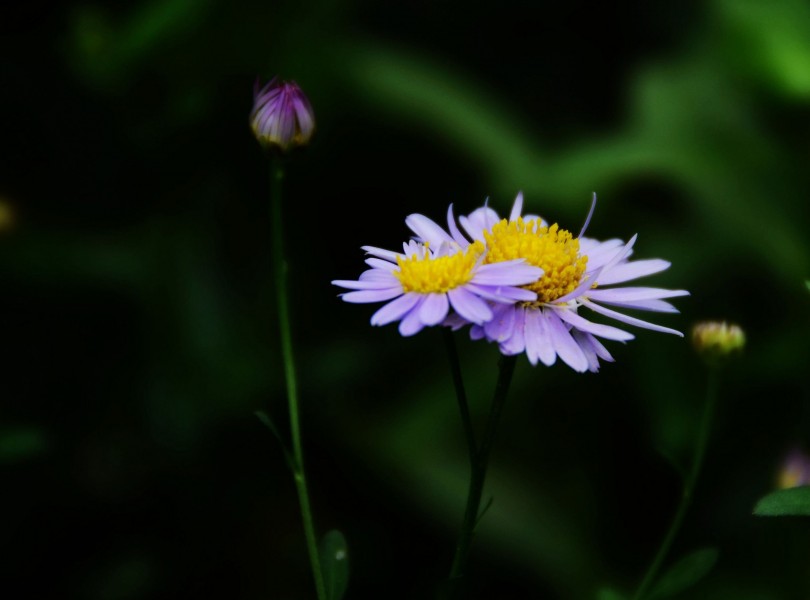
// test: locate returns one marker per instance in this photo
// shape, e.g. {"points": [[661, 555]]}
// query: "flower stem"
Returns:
{"points": [[479, 460], [461, 395], [282, 303], [688, 485]]}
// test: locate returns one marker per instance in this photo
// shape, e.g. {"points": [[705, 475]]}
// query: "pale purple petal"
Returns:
{"points": [[502, 323], [632, 270], [380, 253], [378, 263], [600, 350], [650, 305], [510, 272], [454, 231], [625, 319], [372, 295], [538, 340], [367, 284], [588, 218], [476, 332], [587, 350], [565, 346], [630, 294], [621, 254], [380, 275], [469, 306], [500, 293], [600, 253], [410, 323], [395, 309], [434, 309], [516, 342], [605, 331], [427, 229], [454, 322], [517, 208], [477, 221]]}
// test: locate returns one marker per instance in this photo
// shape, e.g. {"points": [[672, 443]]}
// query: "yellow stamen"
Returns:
{"points": [[438, 275], [552, 249]]}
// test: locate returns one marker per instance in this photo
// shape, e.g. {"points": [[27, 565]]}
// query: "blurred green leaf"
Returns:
{"points": [[807, 284], [783, 503], [684, 573], [335, 564], [21, 443], [607, 593]]}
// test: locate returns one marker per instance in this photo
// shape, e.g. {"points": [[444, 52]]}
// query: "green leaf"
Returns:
{"points": [[781, 503], [684, 573], [807, 283], [607, 593], [335, 564]]}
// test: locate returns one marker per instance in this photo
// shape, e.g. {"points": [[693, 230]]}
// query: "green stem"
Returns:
{"points": [[461, 395], [688, 486], [280, 275], [478, 469]]}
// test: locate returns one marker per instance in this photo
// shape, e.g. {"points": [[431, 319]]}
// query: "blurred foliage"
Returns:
{"points": [[139, 312]]}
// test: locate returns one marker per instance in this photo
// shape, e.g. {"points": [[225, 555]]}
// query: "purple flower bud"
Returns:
{"points": [[282, 116]]}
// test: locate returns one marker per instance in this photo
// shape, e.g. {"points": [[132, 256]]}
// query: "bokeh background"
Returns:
{"points": [[138, 317]]}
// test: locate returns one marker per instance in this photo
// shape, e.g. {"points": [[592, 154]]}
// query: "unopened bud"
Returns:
{"points": [[795, 470], [282, 117], [716, 341]]}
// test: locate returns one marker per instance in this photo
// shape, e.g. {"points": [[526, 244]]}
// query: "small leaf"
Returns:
{"points": [[684, 573], [335, 564], [781, 503], [607, 593], [807, 283]]}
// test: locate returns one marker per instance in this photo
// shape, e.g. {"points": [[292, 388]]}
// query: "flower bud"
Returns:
{"points": [[795, 470], [716, 341], [282, 117]]}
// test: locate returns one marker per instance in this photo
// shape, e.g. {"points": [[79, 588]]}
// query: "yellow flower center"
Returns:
{"points": [[552, 249], [438, 275]]}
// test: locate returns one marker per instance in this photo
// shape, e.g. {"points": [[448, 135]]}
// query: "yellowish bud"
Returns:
{"points": [[715, 341]]}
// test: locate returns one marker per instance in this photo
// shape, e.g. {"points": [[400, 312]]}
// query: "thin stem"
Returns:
{"points": [[688, 486], [461, 396], [478, 469], [280, 275]]}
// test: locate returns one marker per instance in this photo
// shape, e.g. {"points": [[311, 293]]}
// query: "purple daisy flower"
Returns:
{"points": [[282, 116], [422, 285], [575, 273]]}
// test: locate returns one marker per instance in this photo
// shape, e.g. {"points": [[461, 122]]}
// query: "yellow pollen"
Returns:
{"points": [[552, 249], [438, 275]]}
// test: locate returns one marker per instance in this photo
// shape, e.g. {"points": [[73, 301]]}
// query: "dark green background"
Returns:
{"points": [[138, 318]]}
